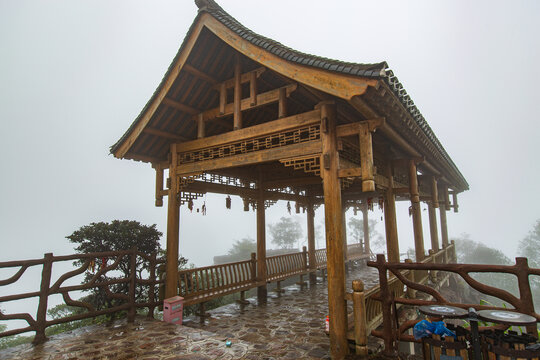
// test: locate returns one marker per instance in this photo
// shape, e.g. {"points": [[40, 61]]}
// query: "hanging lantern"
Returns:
{"points": [[190, 205], [289, 207], [228, 202]]}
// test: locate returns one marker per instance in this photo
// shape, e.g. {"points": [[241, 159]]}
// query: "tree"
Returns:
{"points": [[356, 234], [529, 247], [242, 249], [115, 236], [285, 233], [469, 251]]}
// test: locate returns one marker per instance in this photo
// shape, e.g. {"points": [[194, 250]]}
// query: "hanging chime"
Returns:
{"points": [[289, 207], [203, 208], [190, 205], [228, 202]]}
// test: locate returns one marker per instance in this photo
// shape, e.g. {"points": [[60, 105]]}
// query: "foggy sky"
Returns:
{"points": [[75, 74]]}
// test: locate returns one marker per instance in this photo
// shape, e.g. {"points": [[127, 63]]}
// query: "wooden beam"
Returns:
{"points": [[266, 98], [282, 103], [272, 127], [278, 183], [366, 158], [253, 89], [201, 75], [355, 128], [179, 106], [273, 154], [244, 78], [335, 83], [350, 172]]}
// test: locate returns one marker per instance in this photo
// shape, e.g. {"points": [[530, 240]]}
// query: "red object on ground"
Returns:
{"points": [[173, 309]]}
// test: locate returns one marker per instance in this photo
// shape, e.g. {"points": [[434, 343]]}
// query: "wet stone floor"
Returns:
{"points": [[289, 326]]}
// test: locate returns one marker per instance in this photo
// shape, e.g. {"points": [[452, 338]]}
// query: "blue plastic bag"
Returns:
{"points": [[425, 328]]}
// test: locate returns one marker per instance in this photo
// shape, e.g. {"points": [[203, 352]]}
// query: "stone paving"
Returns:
{"points": [[289, 326]]}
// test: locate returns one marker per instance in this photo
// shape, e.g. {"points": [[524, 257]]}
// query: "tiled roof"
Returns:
{"points": [[378, 71]]}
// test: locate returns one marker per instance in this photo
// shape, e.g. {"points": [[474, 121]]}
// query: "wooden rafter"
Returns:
{"points": [[164, 134], [179, 106], [199, 74], [244, 78]]}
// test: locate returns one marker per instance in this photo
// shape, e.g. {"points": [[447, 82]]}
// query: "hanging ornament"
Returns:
{"points": [[103, 263], [228, 202], [92, 266], [370, 204], [203, 208], [289, 207], [246, 205], [355, 211], [297, 207], [190, 205], [381, 203], [410, 211], [253, 206], [198, 210], [303, 209]]}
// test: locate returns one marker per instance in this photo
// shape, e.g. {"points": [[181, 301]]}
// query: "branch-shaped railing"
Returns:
{"points": [[99, 280], [388, 297]]}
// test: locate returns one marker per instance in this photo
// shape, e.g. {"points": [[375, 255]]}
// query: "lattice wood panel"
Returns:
{"points": [[308, 164], [300, 135]]}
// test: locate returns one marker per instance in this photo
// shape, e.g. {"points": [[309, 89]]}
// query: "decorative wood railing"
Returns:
{"points": [[203, 284], [196, 285], [413, 276], [367, 308], [123, 301]]}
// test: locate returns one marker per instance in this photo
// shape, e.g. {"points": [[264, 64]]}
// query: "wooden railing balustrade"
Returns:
{"points": [[387, 296], [368, 309], [196, 285], [127, 300]]}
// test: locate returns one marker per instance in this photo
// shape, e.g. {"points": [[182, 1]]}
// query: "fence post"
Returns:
{"points": [[254, 267], [132, 284], [152, 285], [360, 324], [41, 316], [304, 258], [454, 256], [527, 303], [386, 304]]}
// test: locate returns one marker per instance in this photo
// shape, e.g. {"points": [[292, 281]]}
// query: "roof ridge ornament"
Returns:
{"points": [[206, 4]]}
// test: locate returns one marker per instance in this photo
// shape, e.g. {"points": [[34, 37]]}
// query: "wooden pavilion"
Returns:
{"points": [[241, 114]]}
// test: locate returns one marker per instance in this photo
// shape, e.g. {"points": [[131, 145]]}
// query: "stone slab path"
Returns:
{"points": [[289, 326]]}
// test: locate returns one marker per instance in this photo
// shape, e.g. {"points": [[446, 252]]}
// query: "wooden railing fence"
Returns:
{"points": [[415, 276], [368, 309], [123, 301], [196, 285]]}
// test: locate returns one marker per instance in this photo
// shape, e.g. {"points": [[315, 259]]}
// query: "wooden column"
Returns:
{"points": [[337, 310], [311, 242], [444, 226], [261, 241], [173, 222], [390, 221], [365, 223], [282, 103], [433, 231], [416, 212], [366, 158], [237, 104], [200, 126]]}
